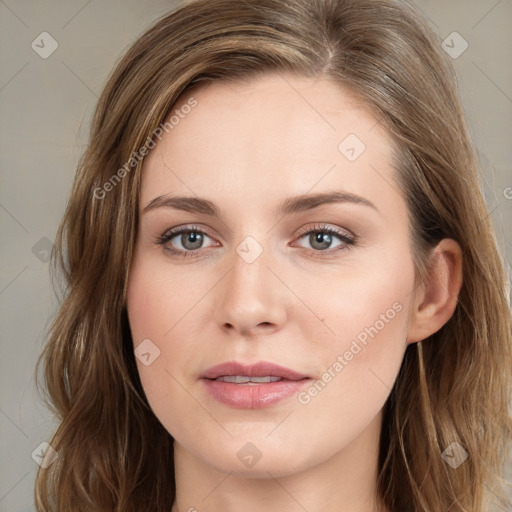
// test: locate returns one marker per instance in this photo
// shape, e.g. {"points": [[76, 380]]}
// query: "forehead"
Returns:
{"points": [[275, 135], [312, 110]]}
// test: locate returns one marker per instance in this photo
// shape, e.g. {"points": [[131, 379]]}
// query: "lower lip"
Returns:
{"points": [[253, 396]]}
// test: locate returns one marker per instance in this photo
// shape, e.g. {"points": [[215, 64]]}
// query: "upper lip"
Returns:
{"points": [[260, 369]]}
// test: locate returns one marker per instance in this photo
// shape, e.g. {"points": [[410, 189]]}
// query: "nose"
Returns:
{"points": [[252, 299]]}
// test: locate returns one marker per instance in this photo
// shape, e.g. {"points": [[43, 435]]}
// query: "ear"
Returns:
{"points": [[436, 298]]}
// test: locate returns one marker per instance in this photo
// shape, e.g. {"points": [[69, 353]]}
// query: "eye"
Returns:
{"points": [[189, 240], [321, 239]]}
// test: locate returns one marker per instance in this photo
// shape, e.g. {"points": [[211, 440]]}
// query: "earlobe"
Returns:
{"points": [[436, 298]]}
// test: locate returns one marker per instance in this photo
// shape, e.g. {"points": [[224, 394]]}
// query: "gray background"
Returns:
{"points": [[46, 106]]}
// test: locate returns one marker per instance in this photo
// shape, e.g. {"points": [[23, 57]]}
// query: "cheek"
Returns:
{"points": [[157, 300], [147, 305], [160, 305], [364, 302], [368, 314], [153, 306]]}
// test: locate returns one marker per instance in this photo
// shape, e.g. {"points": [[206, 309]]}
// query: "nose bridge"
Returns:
{"points": [[252, 294], [250, 275]]}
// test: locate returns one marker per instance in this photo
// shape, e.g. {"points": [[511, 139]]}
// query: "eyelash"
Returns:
{"points": [[348, 240]]}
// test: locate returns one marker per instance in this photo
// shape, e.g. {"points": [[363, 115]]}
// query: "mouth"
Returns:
{"points": [[253, 386], [243, 379], [252, 372]]}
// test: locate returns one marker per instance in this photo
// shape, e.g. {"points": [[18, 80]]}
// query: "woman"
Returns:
{"points": [[283, 287]]}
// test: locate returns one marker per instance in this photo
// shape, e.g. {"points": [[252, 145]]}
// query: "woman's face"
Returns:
{"points": [[263, 280]]}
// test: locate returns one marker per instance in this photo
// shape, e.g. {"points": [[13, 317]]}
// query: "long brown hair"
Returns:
{"points": [[114, 455]]}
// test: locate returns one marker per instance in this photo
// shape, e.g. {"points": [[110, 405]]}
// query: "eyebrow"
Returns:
{"points": [[288, 206]]}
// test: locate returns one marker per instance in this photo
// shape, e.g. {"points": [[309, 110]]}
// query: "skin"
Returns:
{"points": [[248, 147]]}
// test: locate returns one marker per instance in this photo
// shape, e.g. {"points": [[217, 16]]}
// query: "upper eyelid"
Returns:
{"points": [[325, 227]]}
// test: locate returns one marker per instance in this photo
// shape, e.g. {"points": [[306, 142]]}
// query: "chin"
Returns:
{"points": [[256, 459]]}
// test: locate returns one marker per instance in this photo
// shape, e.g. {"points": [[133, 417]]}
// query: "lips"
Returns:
{"points": [[253, 386]]}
